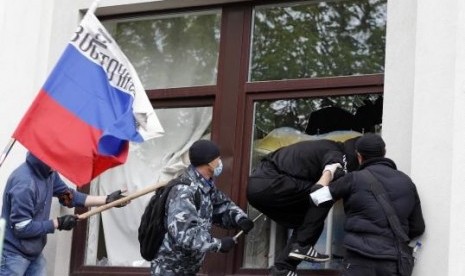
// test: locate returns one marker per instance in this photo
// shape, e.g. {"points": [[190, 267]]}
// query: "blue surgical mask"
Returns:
{"points": [[217, 171]]}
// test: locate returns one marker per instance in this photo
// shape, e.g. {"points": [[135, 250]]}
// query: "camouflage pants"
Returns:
{"points": [[157, 269]]}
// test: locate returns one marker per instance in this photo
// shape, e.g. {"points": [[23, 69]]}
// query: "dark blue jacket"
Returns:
{"points": [[26, 206], [367, 229]]}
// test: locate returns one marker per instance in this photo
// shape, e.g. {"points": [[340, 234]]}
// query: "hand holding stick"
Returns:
{"points": [[242, 232], [122, 201]]}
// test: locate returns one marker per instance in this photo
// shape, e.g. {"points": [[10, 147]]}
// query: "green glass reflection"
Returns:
{"points": [[318, 39], [171, 51]]}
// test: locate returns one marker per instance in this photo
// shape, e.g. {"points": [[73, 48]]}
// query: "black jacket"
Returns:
{"points": [[305, 160], [367, 229]]}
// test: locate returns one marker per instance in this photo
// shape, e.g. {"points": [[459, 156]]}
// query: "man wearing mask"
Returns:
{"points": [[369, 240], [27, 201], [192, 208]]}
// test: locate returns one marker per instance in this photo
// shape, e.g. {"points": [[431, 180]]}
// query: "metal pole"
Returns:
{"points": [[7, 150], [93, 7], [242, 232]]}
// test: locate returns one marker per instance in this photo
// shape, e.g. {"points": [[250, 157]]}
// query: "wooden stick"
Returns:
{"points": [[123, 200], [242, 232]]}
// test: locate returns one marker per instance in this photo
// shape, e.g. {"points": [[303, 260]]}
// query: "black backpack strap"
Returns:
{"points": [[383, 199]]}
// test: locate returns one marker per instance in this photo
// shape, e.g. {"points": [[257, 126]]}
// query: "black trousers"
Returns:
{"points": [[359, 265], [286, 200]]}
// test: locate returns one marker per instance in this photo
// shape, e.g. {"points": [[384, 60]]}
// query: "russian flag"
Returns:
{"points": [[88, 110]]}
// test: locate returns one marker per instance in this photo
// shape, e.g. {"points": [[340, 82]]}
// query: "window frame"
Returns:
{"points": [[232, 99]]}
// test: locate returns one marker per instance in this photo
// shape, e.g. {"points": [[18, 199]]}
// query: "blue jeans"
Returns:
{"points": [[17, 265]]}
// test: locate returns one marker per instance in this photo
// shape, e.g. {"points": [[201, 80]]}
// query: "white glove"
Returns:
{"points": [[332, 168]]}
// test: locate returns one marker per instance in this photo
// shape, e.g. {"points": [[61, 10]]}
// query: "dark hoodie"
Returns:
{"points": [[366, 226], [306, 160], [26, 206]]}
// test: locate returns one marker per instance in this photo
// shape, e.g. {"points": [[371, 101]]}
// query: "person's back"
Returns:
{"points": [[371, 246], [305, 160], [366, 224]]}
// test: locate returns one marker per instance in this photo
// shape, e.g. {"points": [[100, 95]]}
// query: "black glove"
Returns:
{"points": [[115, 196], [227, 243], [67, 222], [245, 224]]}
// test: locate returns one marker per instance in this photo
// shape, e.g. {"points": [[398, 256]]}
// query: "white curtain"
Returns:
{"points": [[155, 160]]}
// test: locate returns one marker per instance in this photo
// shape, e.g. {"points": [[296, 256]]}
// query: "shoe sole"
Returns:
{"points": [[308, 258]]}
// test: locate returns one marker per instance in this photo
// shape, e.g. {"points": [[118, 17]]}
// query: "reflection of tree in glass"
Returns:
{"points": [[173, 51], [295, 113], [333, 38]]}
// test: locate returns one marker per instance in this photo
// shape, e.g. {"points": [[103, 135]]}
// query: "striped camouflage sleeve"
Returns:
{"points": [[189, 231], [225, 212]]}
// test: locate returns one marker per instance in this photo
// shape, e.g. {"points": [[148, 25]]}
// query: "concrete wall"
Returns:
{"points": [[423, 121], [24, 52], [33, 36]]}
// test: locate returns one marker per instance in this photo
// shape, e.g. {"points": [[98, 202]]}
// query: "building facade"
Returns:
{"points": [[248, 75]]}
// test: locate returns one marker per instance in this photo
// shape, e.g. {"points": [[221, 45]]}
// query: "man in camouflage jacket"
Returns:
{"points": [[191, 210]]}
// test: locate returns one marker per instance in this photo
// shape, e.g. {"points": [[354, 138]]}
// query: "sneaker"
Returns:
{"points": [[304, 253], [282, 272]]}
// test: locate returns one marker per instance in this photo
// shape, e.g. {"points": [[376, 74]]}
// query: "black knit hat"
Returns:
{"points": [[371, 145], [203, 152]]}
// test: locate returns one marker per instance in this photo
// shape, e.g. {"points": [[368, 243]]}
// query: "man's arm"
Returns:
{"points": [[101, 200], [92, 200], [70, 197], [320, 193], [225, 212], [416, 221], [326, 191], [325, 178]]}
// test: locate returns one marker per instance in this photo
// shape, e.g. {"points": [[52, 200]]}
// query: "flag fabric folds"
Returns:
{"points": [[89, 108]]}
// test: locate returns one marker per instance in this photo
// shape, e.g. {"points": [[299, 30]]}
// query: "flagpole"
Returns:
{"points": [[93, 7], [7, 150], [123, 200]]}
